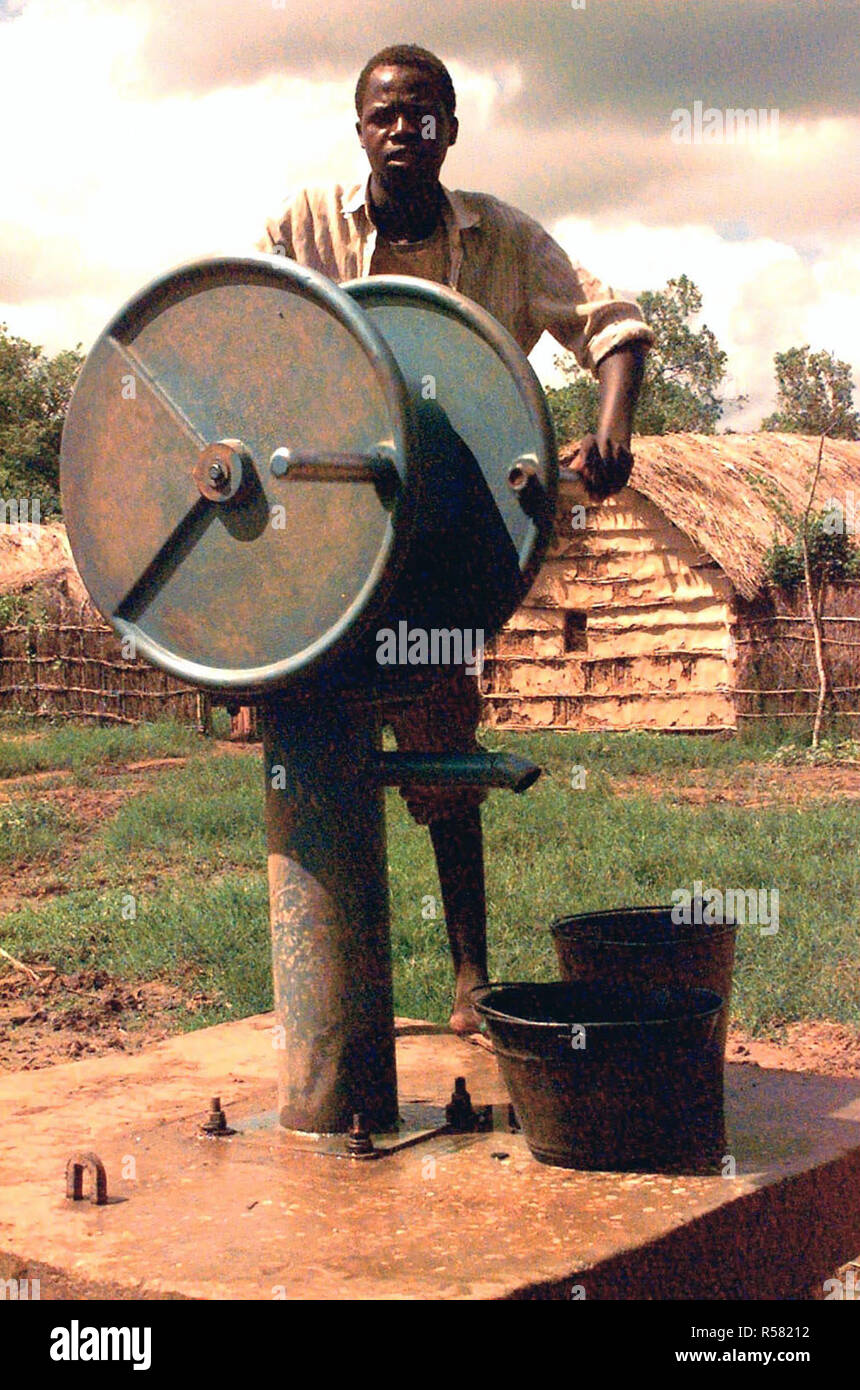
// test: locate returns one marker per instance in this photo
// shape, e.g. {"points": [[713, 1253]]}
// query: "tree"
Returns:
{"points": [[832, 555], [683, 372], [34, 394], [815, 395], [820, 554], [685, 367], [574, 407]]}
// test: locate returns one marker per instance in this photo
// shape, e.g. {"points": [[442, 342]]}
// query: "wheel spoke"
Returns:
{"points": [[142, 373]]}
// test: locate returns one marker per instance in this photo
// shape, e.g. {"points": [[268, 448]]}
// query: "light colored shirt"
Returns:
{"points": [[427, 259], [496, 255]]}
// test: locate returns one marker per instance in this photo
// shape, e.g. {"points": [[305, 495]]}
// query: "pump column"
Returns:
{"points": [[328, 893]]}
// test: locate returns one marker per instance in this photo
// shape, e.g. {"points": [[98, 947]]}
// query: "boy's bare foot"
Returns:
{"points": [[465, 1018]]}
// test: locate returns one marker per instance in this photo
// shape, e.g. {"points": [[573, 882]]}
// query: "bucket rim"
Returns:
{"points": [[693, 993], [591, 922]]}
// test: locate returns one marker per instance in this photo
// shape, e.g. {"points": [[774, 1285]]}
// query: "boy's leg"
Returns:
{"points": [[443, 719], [459, 847]]}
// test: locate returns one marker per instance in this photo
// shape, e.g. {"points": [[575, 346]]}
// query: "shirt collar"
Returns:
{"points": [[356, 199]]}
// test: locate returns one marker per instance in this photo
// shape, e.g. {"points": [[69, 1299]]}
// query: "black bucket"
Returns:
{"points": [[605, 1078], [642, 948]]}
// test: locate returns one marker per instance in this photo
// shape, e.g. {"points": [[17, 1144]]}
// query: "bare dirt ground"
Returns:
{"points": [[831, 1049], [66, 1018], [750, 785]]}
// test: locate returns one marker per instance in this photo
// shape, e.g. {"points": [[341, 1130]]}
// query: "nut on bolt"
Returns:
{"points": [[222, 469], [359, 1144], [216, 1121], [459, 1113]]}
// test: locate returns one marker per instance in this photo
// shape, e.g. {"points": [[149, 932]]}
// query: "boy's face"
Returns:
{"points": [[404, 128]]}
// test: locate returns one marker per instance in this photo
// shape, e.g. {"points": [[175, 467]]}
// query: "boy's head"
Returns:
{"points": [[405, 102]]}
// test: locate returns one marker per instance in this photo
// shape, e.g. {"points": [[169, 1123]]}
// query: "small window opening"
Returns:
{"points": [[575, 632]]}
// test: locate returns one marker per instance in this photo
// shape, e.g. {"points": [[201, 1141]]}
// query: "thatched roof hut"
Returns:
{"points": [[730, 492], [652, 609], [39, 557]]}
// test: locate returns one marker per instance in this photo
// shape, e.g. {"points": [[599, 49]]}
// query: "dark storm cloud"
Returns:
{"points": [[594, 169], [635, 58]]}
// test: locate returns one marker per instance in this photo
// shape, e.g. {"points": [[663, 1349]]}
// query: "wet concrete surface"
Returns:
{"points": [[256, 1216]]}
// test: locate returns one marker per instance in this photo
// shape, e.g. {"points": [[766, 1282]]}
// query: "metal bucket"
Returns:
{"points": [[642, 948], [610, 1078]]}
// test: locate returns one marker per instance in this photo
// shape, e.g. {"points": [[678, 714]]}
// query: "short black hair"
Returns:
{"points": [[408, 55]]}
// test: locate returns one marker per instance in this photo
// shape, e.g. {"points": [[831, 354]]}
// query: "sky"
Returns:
{"points": [[138, 134]]}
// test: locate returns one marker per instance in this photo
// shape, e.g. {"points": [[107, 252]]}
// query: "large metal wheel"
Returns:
{"points": [[234, 470], [490, 463]]}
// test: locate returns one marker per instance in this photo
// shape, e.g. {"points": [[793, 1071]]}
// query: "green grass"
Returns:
{"points": [[209, 813], [632, 754], [182, 889], [78, 747], [29, 831], [213, 931]]}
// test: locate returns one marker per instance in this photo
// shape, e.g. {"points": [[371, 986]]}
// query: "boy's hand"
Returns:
{"points": [[605, 460], [604, 464]]}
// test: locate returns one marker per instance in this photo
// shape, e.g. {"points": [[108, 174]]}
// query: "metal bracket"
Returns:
{"points": [[90, 1163], [419, 1122]]}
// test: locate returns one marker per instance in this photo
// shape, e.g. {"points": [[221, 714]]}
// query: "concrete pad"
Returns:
{"points": [[455, 1217]]}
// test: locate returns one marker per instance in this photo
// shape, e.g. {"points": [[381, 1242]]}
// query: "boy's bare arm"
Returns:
{"points": [[605, 460]]}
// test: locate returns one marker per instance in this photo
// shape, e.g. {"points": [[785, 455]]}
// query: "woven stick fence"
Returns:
{"points": [[77, 668], [776, 675]]}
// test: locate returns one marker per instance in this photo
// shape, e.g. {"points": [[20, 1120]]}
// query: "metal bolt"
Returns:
{"points": [[522, 474], [218, 475], [279, 463], [459, 1113], [216, 1120], [358, 1141]]}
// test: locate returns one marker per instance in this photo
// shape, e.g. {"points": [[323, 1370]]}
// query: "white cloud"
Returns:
{"points": [[152, 183], [107, 185], [759, 296]]}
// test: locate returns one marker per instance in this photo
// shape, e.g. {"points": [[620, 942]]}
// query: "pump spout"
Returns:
{"points": [[503, 770]]}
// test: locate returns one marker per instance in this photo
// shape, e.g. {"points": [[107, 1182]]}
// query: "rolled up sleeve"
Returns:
{"points": [[277, 239], [580, 312]]}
